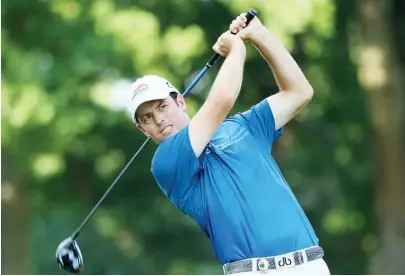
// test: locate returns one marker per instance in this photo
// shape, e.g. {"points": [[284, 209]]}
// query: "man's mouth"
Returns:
{"points": [[165, 129]]}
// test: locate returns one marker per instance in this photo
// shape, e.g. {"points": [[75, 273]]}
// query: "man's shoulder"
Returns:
{"points": [[164, 151], [175, 166], [171, 150], [163, 165]]}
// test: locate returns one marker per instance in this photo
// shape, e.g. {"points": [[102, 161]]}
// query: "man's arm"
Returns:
{"points": [[295, 90], [223, 93]]}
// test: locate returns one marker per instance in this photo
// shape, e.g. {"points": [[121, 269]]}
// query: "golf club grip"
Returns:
{"points": [[249, 16]]}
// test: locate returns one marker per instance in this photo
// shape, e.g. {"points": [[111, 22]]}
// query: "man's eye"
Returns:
{"points": [[163, 106], [147, 117]]}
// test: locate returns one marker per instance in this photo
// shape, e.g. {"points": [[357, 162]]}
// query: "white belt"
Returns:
{"points": [[275, 262]]}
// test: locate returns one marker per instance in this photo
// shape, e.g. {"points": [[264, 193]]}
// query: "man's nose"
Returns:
{"points": [[159, 119]]}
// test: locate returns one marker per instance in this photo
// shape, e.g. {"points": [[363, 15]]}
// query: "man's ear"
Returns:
{"points": [[141, 129], [181, 102]]}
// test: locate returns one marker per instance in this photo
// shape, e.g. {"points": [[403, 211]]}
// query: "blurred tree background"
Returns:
{"points": [[66, 66]]}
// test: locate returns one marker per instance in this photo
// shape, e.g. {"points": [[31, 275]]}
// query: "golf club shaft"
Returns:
{"points": [[77, 232], [250, 15]]}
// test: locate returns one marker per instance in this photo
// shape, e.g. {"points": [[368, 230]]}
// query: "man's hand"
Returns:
{"points": [[254, 28], [226, 43]]}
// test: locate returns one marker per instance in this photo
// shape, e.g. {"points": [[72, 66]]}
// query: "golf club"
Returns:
{"points": [[68, 254]]}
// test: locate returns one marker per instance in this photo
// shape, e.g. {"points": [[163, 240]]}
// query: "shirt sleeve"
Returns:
{"points": [[175, 166], [259, 120]]}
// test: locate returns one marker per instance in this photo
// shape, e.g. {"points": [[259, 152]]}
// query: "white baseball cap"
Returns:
{"points": [[148, 88]]}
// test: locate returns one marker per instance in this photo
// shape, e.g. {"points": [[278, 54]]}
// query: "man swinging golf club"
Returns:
{"points": [[220, 170]]}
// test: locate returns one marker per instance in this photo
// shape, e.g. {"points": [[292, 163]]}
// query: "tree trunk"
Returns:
{"points": [[14, 223], [382, 77]]}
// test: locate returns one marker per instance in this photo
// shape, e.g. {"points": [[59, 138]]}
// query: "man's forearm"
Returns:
{"points": [[286, 71], [220, 101], [228, 82]]}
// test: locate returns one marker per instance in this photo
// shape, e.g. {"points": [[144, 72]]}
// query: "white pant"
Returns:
{"points": [[317, 267]]}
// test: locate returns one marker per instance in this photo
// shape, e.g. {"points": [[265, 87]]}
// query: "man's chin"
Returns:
{"points": [[169, 134], [163, 137]]}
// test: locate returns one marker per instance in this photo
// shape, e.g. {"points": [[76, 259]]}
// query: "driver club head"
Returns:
{"points": [[69, 257]]}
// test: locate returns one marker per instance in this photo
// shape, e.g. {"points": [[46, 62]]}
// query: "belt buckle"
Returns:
{"points": [[263, 265]]}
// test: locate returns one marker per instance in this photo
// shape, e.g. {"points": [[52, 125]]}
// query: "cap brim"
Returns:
{"points": [[143, 98]]}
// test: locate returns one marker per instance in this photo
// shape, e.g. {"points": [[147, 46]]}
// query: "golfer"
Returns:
{"points": [[220, 171]]}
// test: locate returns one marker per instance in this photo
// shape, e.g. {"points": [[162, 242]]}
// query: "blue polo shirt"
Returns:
{"points": [[235, 191]]}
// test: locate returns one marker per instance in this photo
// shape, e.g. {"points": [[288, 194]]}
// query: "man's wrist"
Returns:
{"points": [[257, 36], [239, 47]]}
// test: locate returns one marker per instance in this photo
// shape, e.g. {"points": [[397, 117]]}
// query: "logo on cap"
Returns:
{"points": [[169, 85], [140, 88]]}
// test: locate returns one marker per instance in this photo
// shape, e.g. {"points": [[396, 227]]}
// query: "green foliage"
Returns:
{"points": [[66, 135]]}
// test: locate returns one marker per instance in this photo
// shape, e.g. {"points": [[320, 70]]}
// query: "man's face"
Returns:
{"points": [[161, 119]]}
